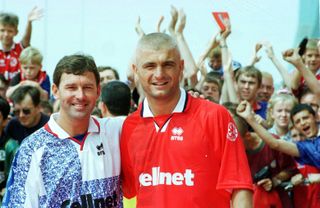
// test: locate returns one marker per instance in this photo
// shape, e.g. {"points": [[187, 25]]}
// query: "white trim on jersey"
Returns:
{"points": [[178, 109]]}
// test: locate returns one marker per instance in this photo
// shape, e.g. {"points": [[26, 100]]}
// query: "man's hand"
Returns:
{"points": [[269, 49], [244, 110], [297, 179], [196, 94], [182, 22], [227, 31], [256, 58], [292, 56], [173, 22], [139, 29], [266, 183], [35, 14], [159, 25]]}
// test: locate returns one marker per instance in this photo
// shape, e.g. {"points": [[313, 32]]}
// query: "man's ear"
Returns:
{"points": [[99, 90], [182, 64], [55, 91], [103, 108], [134, 68]]}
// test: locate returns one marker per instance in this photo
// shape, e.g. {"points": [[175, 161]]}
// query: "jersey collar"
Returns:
{"points": [[12, 47], [180, 107], [53, 127]]}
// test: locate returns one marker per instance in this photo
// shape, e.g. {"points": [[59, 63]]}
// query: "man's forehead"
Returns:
{"points": [[69, 77], [146, 55], [248, 77], [27, 101], [301, 114]]}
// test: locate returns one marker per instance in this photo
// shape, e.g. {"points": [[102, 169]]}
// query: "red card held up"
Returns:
{"points": [[220, 17]]}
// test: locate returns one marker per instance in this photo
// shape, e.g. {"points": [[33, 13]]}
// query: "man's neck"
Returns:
{"points": [[37, 121], [73, 126], [7, 47], [281, 131], [164, 106]]}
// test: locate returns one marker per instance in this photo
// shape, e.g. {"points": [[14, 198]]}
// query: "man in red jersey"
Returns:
{"points": [[176, 150]]}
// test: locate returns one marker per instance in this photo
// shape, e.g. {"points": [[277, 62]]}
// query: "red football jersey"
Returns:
{"points": [[9, 61], [193, 157], [306, 195]]}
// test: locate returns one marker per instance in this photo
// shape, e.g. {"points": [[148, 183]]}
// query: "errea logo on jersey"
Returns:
{"points": [[166, 178], [177, 134]]}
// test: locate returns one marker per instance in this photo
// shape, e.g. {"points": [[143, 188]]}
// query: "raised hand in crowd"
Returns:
{"points": [[282, 70], [255, 57], [138, 28], [35, 14], [176, 30]]}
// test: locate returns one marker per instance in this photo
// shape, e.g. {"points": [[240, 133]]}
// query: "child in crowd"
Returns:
{"points": [[31, 73], [9, 50]]}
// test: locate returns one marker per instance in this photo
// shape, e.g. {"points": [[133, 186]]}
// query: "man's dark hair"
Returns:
{"points": [[250, 71], [4, 107], [104, 68], [20, 93], [116, 96], [305, 91], [9, 19], [77, 65], [301, 107]]}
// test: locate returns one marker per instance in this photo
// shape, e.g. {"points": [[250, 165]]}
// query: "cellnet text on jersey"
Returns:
{"points": [[166, 178]]}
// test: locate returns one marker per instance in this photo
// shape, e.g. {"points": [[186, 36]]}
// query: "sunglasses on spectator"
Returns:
{"points": [[25, 111]]}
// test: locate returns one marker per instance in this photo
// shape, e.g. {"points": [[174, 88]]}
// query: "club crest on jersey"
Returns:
{"points": [[177, 134], [232, 133], [13, 62]]}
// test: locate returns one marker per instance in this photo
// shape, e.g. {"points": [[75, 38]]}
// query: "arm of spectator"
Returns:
{"points": [[224, 94], [287, 78], [35, 14], [158, 29], [245, 111], [138, 28], [241, 198], [190, 68], [228, 75], [173, 21], [282, 176], [203, 74], [212, 44], [227, 65], [314, 178], [255, 57], [292, 56], [43, 93]]}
